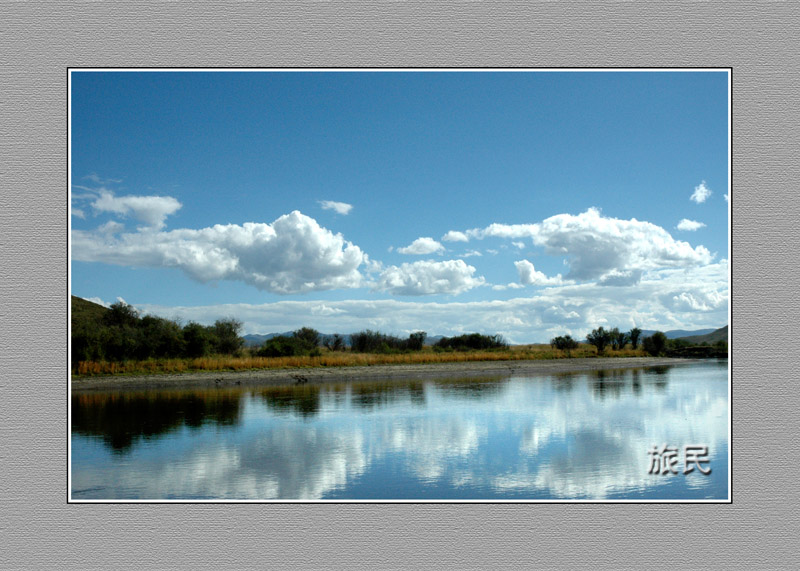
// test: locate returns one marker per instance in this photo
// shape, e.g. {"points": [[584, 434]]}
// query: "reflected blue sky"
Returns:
{"points": [[581, 436]]}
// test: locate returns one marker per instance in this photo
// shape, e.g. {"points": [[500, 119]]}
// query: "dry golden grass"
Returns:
{"points": [[336, 359]]}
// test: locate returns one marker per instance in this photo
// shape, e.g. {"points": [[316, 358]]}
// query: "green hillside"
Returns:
{"points": [[84, 310], [720, 334]]}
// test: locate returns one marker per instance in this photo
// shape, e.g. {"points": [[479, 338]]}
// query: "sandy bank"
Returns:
{"points": [[320, 375]]}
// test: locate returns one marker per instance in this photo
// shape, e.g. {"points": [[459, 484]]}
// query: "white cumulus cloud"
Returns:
{"points": [[689, 225], [294, 254], [598, 247], [338, 207], [701, 193], [422, 246], [429, 277], [528, 275]]}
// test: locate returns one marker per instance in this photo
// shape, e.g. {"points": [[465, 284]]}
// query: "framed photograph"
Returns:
{"points": [[399, 285]]}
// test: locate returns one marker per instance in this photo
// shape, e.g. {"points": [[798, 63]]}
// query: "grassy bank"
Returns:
{"points": [[335, 359]]}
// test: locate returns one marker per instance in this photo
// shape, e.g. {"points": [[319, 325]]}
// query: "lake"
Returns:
{"points": [[579, 436]]}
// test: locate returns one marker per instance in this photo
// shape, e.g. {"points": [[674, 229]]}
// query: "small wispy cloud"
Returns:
{"points": [[689, 225], [470, 253], [97, 180], [152, 210], [339, 207], [701, 193], [512, 285], [455, 236]]}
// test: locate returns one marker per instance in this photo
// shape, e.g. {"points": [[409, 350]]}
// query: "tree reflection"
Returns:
{"points": [[636, 382], [120, 419], [303, 401], [609, 383], [564, 382], [658, 376], [472, 388]]}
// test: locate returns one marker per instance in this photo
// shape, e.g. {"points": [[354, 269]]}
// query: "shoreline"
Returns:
{"points": [[325, 375]]}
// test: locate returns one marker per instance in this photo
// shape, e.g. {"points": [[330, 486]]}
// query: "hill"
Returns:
{"points": [[85, 310], [679, 333], [720, 334]]}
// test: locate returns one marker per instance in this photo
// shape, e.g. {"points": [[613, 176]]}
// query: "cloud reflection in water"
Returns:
{"points": [[568, 436]]}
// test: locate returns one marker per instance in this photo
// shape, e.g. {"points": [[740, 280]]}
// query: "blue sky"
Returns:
{"points": [[525, 203]]}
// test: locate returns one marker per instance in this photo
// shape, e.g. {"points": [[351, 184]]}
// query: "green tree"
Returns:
{"points": [[655, 344], [599, 338], [121, 314], [310, 336], [197, 340], [564, 343], [634, 335], [618, 339], [285, 346], [226, 336], [119, 342], [335, 343], [416, 340], [473, 341]]}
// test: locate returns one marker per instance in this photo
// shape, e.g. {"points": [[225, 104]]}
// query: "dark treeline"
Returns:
{"points": [[656, 344], [683, 348], [614, 338], [306, 341], [376, 342], [472, 341], [121, 334]]}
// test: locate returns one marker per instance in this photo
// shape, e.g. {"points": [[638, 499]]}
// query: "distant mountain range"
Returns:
{"points": [[720, 334], [679, 333]]}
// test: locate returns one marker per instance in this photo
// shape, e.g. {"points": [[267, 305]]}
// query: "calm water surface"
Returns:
{"points": [[568, 436]]}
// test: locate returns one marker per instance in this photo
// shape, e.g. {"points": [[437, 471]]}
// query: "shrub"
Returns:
{"points": [[655, 344], [416, 340], [472, 341], [307, 335], [335, 343], [678, 343], [121, 314], [564, 343], [376, 342], [618, 339], [284, 346]]}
